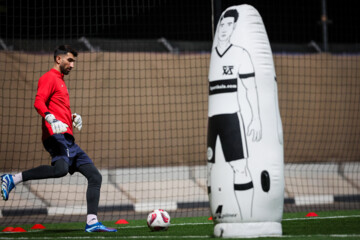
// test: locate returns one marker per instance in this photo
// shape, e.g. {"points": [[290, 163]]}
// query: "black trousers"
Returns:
{"points": [[60, 168]]}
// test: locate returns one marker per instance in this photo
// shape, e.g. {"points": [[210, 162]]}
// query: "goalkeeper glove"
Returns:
{"points": [[56, 125], [77, 121]]}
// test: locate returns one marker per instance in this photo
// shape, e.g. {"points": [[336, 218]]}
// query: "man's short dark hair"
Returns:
{"points": [[231, 13], [64, 49]]}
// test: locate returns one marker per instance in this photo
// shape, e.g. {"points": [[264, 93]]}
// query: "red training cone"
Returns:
{"points": [[122, 221], [38, 226], [210, 218], [18, 229], [8, 229], [311, 214]]}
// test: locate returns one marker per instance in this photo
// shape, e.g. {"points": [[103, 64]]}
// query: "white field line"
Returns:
{"points": [[322, 235], [347, 236], [183, 237], [317, 218], [109, 236], [287, 219]]}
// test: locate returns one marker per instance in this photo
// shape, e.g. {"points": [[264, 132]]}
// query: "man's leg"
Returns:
{"points": [[8, 181], [59, 169], [94, 178]]}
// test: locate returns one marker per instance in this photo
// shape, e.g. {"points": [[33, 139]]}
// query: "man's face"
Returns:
{"points": [[66, 63], [226, 28]]}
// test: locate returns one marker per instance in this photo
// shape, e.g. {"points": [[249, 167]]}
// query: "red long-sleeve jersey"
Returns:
{"points": [[53, 97]]}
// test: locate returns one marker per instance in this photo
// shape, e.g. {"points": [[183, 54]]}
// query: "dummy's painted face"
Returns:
{"points": [[226, 28]]}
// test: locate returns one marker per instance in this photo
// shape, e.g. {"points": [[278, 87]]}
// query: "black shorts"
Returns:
{"points": [[230, 129], [62, 146]]}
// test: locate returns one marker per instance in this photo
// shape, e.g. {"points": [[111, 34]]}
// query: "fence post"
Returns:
{"points": [[324, 22]]}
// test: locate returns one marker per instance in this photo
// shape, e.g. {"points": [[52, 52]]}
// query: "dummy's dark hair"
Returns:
{"points": [[231, 13], [64, 49]]}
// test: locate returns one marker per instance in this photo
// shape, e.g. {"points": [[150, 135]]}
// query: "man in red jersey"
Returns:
{"points": [[53, 104]]}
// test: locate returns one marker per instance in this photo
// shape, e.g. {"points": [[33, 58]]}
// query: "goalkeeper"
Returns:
{"points": [[53, 104]]}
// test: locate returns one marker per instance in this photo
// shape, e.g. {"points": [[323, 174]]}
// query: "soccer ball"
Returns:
{"points": [[158, 220]]}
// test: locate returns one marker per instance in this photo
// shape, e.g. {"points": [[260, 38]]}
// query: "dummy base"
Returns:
{"points": [[247, 230]]}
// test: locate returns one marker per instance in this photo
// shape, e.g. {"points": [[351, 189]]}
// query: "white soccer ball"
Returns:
{"points": [[158, 220]]}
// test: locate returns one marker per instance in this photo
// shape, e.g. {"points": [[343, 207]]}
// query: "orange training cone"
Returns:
{"points": [[311, 214], [38, 226], [122, 221], [8, 229], [18, 229]]}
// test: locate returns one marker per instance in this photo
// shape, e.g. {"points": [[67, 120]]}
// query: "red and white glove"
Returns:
{"points": [[57, 126], [77, 121]]}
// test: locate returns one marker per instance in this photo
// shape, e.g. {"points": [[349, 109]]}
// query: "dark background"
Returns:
{"points": [[286, 21]]}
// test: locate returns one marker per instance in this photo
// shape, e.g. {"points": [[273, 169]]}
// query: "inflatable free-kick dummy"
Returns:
{"points": [[245, 142]]}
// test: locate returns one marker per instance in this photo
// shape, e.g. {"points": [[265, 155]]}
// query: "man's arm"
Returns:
{"points": [[44, 91]]}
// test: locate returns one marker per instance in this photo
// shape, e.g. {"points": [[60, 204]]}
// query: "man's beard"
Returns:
{"points": [[64, 71]]}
